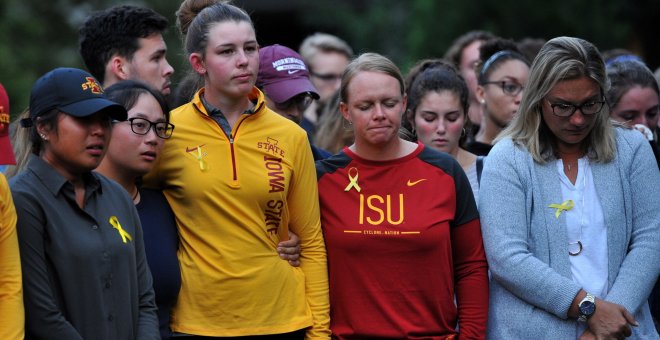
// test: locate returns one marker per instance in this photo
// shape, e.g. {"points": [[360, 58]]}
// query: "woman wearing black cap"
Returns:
{"points": [[84, 269]]}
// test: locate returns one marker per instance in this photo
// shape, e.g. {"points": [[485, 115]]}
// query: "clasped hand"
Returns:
{"points": [[610, 321]]}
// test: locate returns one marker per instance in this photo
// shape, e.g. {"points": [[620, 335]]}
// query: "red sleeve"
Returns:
{"points": [[471, 279]]}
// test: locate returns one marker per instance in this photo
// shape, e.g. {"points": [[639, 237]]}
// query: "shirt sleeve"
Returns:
{"points": [[470, 266], [305, 221], [637, 274], [43, 318], [11, 290], [148, 317]]}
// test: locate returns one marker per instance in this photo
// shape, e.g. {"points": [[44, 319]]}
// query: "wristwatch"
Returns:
{"points": [[587, 307]]}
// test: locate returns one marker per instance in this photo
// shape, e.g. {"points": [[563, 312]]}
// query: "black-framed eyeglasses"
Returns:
{"points": [[141, 126], [326, 76], [301, 102], [508, 87], [567, 109]]}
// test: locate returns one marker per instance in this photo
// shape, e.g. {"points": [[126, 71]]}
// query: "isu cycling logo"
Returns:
{"points": [[92, 85]]}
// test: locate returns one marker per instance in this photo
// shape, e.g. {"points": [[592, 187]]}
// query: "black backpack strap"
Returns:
{"points": [[480, 167]]}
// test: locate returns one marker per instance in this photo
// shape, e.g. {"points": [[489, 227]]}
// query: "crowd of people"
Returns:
{"points": [[505, 191]]}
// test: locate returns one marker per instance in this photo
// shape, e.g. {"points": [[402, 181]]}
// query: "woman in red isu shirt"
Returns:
{"points": [[402, 231]]}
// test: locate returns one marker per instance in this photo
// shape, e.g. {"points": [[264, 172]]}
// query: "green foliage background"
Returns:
{"points": [[37, 36]]}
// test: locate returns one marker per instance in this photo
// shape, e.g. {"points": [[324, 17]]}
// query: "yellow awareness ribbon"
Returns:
{"points": [[353, 180], [115, 224], [202, 162], [566, 206]]}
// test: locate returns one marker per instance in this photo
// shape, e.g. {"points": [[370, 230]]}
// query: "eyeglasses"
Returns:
{"points": [[568, 109], [509, 88], [327, 76], [141, 126], [300, 102]]}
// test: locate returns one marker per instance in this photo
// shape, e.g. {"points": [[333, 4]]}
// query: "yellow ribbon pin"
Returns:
{"points": [[115, 224], [202, 162], [566, 206], [353, 180]]}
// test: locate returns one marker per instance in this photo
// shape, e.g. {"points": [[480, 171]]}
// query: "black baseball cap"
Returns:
{"points": [[74, 92]]}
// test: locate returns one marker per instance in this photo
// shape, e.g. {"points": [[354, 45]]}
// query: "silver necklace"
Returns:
{"points": [[578, 244]]}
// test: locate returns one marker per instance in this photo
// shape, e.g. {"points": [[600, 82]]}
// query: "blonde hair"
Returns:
{"points": [[560, 59], [22, 145], [323, 43], [333, 132], [369, 62]]}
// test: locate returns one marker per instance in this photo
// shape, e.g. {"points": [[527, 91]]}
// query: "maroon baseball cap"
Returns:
{"points": [[6, 151], [283, 74]]}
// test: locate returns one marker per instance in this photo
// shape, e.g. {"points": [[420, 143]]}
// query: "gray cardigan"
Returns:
{"points": [[527, 247]]}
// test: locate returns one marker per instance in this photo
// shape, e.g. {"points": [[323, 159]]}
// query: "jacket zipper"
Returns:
{"points": [[231, 147]]}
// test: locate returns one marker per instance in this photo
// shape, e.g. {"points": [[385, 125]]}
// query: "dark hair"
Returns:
{"points": [[614, 54], [116, 30], [196, 17], [434, 75], [186, 89], [48, 120], [626, 74], [127, 92], [188, 10], [455, 51], [494, 53], [530, 47]]}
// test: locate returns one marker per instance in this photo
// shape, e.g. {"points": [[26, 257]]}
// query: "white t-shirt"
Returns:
{"points": [[471, 174], [585, 223]]}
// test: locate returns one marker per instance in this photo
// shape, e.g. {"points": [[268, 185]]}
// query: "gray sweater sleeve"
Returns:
{"points": [[506, 205], [641, 182]]}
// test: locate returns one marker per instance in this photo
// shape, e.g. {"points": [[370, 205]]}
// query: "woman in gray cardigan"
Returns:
{"points": [[569, 208]]}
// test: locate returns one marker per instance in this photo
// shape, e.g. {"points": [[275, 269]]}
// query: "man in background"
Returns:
{"points": [[126, 42], [326, 57]]}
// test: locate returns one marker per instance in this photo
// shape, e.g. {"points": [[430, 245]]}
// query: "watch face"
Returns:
{"points": [[587, 308]]}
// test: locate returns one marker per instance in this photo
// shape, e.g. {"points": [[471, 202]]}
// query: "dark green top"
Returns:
{"points": [[81, 278]]}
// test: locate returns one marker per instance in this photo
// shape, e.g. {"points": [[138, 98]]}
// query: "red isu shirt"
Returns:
{"points": [[405, 253]]}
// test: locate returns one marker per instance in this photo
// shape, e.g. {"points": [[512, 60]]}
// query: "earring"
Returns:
{"points": [[43, 136], [463, 133], [346, 127], [482, 101]]}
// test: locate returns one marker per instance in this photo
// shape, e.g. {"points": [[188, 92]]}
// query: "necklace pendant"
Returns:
{"points": [[573, 245]]}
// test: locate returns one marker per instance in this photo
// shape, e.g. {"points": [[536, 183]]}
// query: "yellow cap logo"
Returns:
{"points": [[92, 85]]}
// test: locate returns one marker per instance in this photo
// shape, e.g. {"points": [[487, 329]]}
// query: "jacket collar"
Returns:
{"points": [[255, 96]]}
